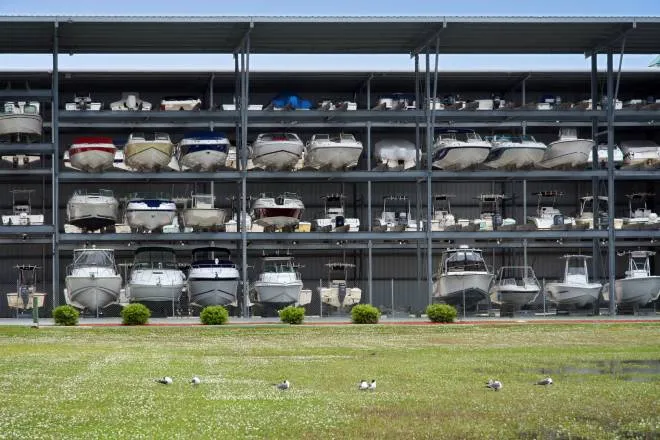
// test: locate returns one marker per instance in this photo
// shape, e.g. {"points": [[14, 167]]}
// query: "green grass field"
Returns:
{"points": [[89, 383]]}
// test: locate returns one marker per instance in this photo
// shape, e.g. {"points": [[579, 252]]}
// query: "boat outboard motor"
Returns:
{"points": [[279, 200], [497, 220], [25, 296], [558, 219], [339, 221], [341, 292]]}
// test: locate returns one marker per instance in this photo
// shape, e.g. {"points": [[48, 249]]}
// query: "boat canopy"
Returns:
{"points": [[464, 260], [93, 257], [154, 256]]}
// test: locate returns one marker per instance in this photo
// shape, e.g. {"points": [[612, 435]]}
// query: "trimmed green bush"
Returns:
{"points": [[214, 315], [365, 314], [441, 313], [292, 315], [135, 314], [66, 315]]}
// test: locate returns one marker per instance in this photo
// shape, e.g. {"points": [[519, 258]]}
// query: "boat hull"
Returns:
{"points": [[23, 220], [333, 157], [634, 291], [459, 157], [278, 155], [204, 217], [577, 295], [92, 212], [21, 123], [332, 296], [278, 293], [567, 153], [462, 288], [212, 292], [514, 157], [396, 154], [148, 156], [516, 296], [92, 158], [92, 292]]}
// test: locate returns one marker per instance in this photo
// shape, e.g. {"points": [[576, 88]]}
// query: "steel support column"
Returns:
{"points": [[611, 254], [370, 273], [242, 218], [54, 136], [595, 183], [418, 186]]}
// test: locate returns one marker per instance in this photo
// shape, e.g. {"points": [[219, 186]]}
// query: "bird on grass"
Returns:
{"points": [[546, 381], [195, 380], [494, 384], [165, 380], [372, 385], [363, 385], [284, 385]]}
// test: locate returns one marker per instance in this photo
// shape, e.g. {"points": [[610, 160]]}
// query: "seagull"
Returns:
{"points": [[372, 385], [546, 381], [165, 380], [363, 385], [283, 385], [195, 380], [494, 384]]}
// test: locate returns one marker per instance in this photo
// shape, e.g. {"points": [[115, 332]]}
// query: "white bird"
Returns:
{"points": [[283, 385], [372, 385], [494, 384], [546, 381], [195, 380], [363, 385], [165, 380]]}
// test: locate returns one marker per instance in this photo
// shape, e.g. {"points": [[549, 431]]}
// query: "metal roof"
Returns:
{"points": [[374, 35]]}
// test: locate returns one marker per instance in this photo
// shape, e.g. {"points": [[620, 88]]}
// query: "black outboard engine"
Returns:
{"points": [[558, 220], [497, 220], [341, 292], [340, 221]]}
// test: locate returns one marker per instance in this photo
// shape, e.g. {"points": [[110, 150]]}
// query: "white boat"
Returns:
{"points": [[639, 287], [639, 213], [130, 101], [463, 278], [92, 280], [586, 217], [279, 281], [282, 211], [26, 289], [143, 154], [213, 278], [202, 213], [277, 151], [644, 154], [515, 286], [93, 154], [514, 152], [21, 118], [568, 151], [334, 219], [330, 105], [441, 217], [178, 103], [337, 152], [457, 149], [22, 210], [203, 151], [602, 156], [395, 217], [397, 154], [490, 213], [150, 213], [155, 275], [337, 294], [396, 101], [83, 103], [575, 290], [547, 215], [91, 211]]}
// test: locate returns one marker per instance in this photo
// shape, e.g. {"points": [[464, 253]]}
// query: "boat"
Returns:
{"points": [[337, 294], [398, 218], [149, 213], [282, 211], [602, 156], [155, 276], [92, 211], [21, 118], [334, 219], [463, 278], [396, 101], [289, 101], [130, 101], [83, 103], [178, 103], [277, 151], [459, 148], [279, 281], [397, 154], [640, 154], [639, 214], [490, 214], [213, 278], [203, 151], [336, 152], [547, 216], [441, 216], [22, 210], [201, 212], [26, 289], [575, 290], [92, 281], [515, 286], [568, 151], [330, 105], [514, 152], [639, 287], [586, 217], [142, 154], [93, 154]]}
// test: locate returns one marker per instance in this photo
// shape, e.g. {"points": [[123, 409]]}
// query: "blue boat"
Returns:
{"points": [[203, 151], [290, 101]]}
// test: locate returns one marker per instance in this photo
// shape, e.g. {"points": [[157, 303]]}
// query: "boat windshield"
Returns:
{"points": [[210, 254], [462, 261], [639, 263], [279, 137], [278, 267], [94, 257], [576, 267], [347, 137], [156, 257]]}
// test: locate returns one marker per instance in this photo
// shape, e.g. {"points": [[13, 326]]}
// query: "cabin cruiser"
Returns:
{"points": [[337, 294], [22, 210], [457, 149], [337, 152], [142, 154], [334, 219], [640, 215], [83, 103], [575, 290], [92, 280], [463, 278], [26, 289], [602, 156], [213, 278], [93, 154], [441, 217], [586, 218], [130, 101], [202, 213], [155, 275], [277, 151], [643, 154], [282, 211], [397, 154], [514, 152], [639, 287], [398, 219], [203, 151], [279, 281], [515, 286], [567, 151], [150, 213], [92, 211], [547, 215]]}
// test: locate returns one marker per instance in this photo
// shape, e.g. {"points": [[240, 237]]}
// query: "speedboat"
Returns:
{"points": [[22, 210], [336, 152], [515, 286], [639, 214], [463, 278], [203, 151], [547, 215], [202, 213], [130, 101], [289, 101], [155, 275], [575, 290], [150, 213], [93, 154], [617, 156], [337, 294], [644, 154], [142, 154], [334, 219], [568, 151], [457, 149], [178, 103], [586, 217], [441, 217], [21, 118], [83, 103], [514, 152], [26, 289], [397, 219], [279, 281], [397, 154], [213, 278], [277, 151], [92, 280], [92, 211], [639, 287], [282, 211]]}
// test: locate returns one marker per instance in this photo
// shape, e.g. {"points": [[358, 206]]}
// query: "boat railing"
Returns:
{"points": [[154, 265], [213, 265]]}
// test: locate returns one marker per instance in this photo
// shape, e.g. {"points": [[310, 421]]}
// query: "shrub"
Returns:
{"points": [[135, 314], [441, 313], [292, 315], [214, 315], [365, 314], [66, 315]]}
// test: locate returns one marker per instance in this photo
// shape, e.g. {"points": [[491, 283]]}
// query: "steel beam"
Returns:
{"points": [[606, 43], [610, 182], [55, 163], [27, 230], [595, 261], [434, 37], [24, 94], [41, 148]]}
